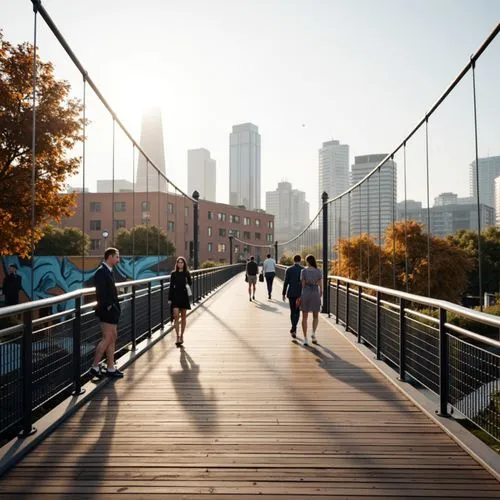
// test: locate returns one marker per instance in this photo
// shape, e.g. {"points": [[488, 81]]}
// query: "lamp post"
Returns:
{"points": [[105, 235]]}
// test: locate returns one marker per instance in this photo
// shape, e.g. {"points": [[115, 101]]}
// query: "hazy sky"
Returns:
{"points": [[361, 71]]}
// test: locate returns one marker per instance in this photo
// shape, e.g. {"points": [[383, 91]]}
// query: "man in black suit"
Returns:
{"points": [[11, 286], [292, 288], [108, 312]]}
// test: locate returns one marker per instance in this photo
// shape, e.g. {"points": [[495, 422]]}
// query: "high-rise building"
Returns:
{"points": [[333, 173], [290, 210], [489, 170], [201, 174], [373, 203], [497, 201], [244, 166], [445, 199], [152, 144]]}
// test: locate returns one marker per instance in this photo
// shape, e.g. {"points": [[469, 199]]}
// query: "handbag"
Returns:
{"points": [[189, 291], [261, 277]]}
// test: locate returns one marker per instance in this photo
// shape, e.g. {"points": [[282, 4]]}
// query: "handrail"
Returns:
{"points": [[50, 301], [480, 317]]}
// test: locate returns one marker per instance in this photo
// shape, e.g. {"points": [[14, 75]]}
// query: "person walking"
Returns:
{"points": [[292, 289], [312, 290], [252, 269], [269, 270], [108, 311], [179, 295], [12, 285]]}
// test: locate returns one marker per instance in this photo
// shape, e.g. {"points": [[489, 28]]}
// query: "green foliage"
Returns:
{"points": [[286, 259], [66, 241], [144, 240], [207, 264], [490, 251]]}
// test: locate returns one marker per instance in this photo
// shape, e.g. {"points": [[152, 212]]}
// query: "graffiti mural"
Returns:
{"points": [[52, 276]]}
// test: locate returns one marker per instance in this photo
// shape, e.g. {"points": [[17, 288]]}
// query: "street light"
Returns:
{"points": [[105, 235]]}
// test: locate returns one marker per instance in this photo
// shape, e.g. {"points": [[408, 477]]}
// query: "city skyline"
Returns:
{"points": [[296, 99]]}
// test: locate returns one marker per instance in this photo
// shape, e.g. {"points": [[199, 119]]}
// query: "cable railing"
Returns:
{"points": [[46, 358]]}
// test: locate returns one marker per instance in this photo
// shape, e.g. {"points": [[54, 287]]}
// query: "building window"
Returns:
{"points": [[145, 206], [257, 236], [186, 211], [185, 246], [170, 226], [246, 235], [270, 224], [95, 244], [120, 206], [145, 220], [95, 225], [186, 228], [170, 208], [119, 223], [236, 233], [247, 221], [221, 247], [210, 247], [210, 215], [269, 237], [236, 248], [209, 231], [222, 217], [95, 206], [235, 219], [222, 232], [257, 222]]}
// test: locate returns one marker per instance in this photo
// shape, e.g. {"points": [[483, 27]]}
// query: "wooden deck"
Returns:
{"points": [[243, 412]]}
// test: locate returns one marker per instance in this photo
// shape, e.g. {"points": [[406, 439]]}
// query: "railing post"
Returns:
{"points": [[377, 327], [402, 339], [132, 319], [337, 303], [347, 288], [360, 298], [27, 373], [324, 198], [149, 309], [162, 309], [276, 251], [196, 196], [444, 365], [77, 343], [328, 297], [230, 249]]}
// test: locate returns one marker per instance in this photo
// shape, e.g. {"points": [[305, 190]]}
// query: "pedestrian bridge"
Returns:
{"points": [[244, 411]]}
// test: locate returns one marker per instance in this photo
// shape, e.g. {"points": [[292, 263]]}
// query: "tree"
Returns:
{"points": [[63, 242], [490, 257], [58, 130], [144, 240], [449, 263]]}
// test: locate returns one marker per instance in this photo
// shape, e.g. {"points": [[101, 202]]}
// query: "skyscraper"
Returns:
{"points": [[244, 166], [373, 203], [290, 210], [152, 144], [201, 174], [489, 170], [333, 174]]}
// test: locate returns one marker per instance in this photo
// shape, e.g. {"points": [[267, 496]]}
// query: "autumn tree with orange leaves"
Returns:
{"points": [[360, 258], [58, 129]]}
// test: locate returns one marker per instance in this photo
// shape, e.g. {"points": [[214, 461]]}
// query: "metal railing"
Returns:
{"points": [[45, 358], [416, 336]]}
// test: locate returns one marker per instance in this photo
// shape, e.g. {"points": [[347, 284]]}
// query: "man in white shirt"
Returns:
{"points": [[269, 271]]}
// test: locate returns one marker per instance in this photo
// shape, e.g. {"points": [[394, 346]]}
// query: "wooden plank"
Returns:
{"points": [[243, 412]]}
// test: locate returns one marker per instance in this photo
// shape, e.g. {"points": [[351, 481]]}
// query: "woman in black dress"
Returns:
{"points": [[179, 296]]}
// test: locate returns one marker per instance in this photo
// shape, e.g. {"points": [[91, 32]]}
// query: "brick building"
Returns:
{"points": [[174, 213]]}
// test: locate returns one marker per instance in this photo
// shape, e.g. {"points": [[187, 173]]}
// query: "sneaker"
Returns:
{"points": [[305, 343], [313, 339], [115, 373], [250, 299], [95, 372], [253, 297], [293, 334], [269, 296], [293, 330]]}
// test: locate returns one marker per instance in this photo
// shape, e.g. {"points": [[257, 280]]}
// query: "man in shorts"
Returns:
{"points": [[252, 270]]}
